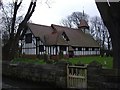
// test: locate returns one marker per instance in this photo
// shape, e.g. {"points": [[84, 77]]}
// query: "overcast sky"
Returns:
{"points": [[59, 9]]}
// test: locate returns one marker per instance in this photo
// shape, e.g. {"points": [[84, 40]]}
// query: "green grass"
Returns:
{"points": [[87, 60], [84, 60], [26, 60]]}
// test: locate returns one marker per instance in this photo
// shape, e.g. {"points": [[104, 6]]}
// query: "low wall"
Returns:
{"points": [[99, 78], [49, 73]]}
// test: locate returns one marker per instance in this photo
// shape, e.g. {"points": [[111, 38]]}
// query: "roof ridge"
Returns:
{"points": [[39, 24], [64, 27]]}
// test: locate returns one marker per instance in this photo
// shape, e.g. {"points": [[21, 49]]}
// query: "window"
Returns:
{"points": [[63, 48], [65, 37], [83, 49], [93, 49], [87, 49], [79, 49], [96, 49], [74, 48], [28, 38], [41, 48], [90, 49]]}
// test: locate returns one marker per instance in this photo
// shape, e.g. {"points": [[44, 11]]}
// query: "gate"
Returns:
{"points": [[76, 76]]}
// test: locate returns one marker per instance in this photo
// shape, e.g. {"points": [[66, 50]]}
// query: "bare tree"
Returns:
{"points": [[96, 28], [0, 2], [67, 22], [73, 20], [10, 49], [111, 17], [99, 31], [6, 21]]}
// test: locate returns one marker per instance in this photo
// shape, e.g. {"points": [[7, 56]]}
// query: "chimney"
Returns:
{"points": [[54, 29]]}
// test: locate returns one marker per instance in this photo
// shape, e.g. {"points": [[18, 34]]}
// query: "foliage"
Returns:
{"points": [[105, 61]]}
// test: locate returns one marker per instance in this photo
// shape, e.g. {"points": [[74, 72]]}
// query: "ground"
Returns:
{"points": [[105, 61]]}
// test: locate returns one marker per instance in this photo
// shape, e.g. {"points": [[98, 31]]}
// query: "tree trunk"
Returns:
{"points": [[111, 18], [116, 46], [10, 50], [5, 52]]}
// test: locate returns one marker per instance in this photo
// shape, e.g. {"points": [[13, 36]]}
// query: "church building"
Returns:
{"points": [[53, 40]]}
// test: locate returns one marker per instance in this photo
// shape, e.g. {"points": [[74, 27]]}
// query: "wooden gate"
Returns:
{"points": [[76, 76]]}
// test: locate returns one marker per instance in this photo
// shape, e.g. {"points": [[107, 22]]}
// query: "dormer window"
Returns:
{"points": [[28, 38], [65, 37]]}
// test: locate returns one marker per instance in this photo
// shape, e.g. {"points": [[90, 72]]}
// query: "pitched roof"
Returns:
{"points": [[83, 24], [40, 30], [55, 39], [52, 35], [77, 37]]}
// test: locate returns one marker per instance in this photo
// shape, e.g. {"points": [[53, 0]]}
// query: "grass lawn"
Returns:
{"points": [[105, 61], [26, 60]]}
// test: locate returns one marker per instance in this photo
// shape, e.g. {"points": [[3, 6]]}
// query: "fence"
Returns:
{"points": [[76, 76]]}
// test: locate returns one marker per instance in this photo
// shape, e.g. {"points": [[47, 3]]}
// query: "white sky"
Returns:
{"points": [[59, 10]]}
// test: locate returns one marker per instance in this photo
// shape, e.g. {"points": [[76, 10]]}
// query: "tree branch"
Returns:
{"points": [[19, 4], [29, 9], [16, 7], [104, 10], [108, 14], [5, 13], [33, 9], [27, 17]]}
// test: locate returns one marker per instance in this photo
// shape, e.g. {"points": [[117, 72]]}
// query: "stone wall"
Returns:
{"points": [[50, 73], [99, 78]]}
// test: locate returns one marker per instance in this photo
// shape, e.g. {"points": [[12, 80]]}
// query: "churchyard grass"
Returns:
{"points": [[107, 62], [26, 60]]}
